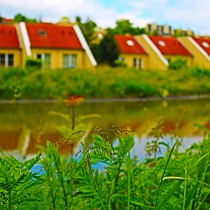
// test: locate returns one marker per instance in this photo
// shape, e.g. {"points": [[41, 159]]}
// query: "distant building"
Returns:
{"points": [[4, 20], [181, 32], [154, 29], [98, 35], [166, 30]]}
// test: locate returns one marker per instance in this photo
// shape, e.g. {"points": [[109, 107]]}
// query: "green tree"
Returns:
{"points": [[124, 26], [88, 29], [108, 50], [78, 19], [21, 18]]}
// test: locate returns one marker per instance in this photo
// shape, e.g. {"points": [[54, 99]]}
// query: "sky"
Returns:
{"points": [[185, 14]]}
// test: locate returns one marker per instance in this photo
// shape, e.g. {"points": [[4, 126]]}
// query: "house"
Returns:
{"points": [[132, 52], [171, 48], [10, 47], [200, 48], [156, 61], [57, 46]]}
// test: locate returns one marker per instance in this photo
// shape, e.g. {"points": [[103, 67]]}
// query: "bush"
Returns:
{"points": [[179, 63], [33, 64]]}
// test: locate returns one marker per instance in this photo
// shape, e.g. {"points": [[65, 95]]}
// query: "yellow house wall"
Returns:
{"points": [[154, 61], [189, 59], [57, 57], [87, 62], [17, 56], [128, 59], [198, 58]]}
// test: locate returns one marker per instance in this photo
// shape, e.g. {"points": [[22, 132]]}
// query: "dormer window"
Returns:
{"points": [[42, 33], [162, 43], [205, 44], [130, 43]]}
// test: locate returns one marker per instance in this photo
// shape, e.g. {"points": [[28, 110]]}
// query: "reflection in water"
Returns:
{"points": [[23, 127]]}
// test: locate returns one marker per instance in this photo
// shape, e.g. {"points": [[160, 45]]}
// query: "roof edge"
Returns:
{"points": [[203, 52], [157, 51], [85, 45], [18, 36], [26, 39], [145, 51]]}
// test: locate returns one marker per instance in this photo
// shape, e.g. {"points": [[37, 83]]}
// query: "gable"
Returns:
{"points": [[8, 37], [46, 35], [169, 45], [204, 43], [129, 45]]}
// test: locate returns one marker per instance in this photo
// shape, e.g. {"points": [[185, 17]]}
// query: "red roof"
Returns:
{"points": [[204, 43], [169, 45], [46, 35], [8, 37], [129, 45]]}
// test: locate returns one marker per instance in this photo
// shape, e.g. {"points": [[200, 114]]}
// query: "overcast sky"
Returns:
{"points": [[186, 14]]}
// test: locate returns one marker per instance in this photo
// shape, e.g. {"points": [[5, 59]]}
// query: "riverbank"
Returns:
{"points": [[109, 84], [104, 100]]}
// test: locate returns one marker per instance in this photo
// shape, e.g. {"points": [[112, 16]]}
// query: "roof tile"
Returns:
{"points": [[129, 45], [47, 35], [204, 43], [8, 37], [169, 45]]}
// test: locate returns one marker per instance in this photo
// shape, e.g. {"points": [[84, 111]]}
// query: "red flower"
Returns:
{"points": [[74, 100]]}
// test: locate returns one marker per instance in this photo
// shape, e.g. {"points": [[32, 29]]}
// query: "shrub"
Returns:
{"points": [[33, 64], [179, 63]]}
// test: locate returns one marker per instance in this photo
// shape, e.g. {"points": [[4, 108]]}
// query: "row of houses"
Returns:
{"points": [[156, 52], [58, 46], [64, 46]]}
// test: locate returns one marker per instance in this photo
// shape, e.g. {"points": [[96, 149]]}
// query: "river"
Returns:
{"points": [[26, 126]]}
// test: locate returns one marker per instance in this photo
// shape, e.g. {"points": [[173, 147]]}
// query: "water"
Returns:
{"points": [[25, 126]]}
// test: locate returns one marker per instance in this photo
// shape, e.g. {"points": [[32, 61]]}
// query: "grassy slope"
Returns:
{"points": [[109, 83]]}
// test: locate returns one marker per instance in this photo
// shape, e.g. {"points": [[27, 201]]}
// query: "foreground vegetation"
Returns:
{"points": [[102, 175], [102, 83]]}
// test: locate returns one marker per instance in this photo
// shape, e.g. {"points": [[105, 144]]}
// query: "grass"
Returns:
{"points": [[102, 83], [178, 181]]}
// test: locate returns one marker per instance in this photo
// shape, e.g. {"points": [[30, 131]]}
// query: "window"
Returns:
{"points": [[10, 60], [205, 44], [162, 43], [130, 43], [69, 61], [42, 33], [2, 60], [46, 60], [122, 59], [6, 60], [137, 63]]}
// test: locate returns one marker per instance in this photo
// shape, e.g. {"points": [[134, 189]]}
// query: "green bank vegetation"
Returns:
{"points": [[173, 181], [102, 83]]}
